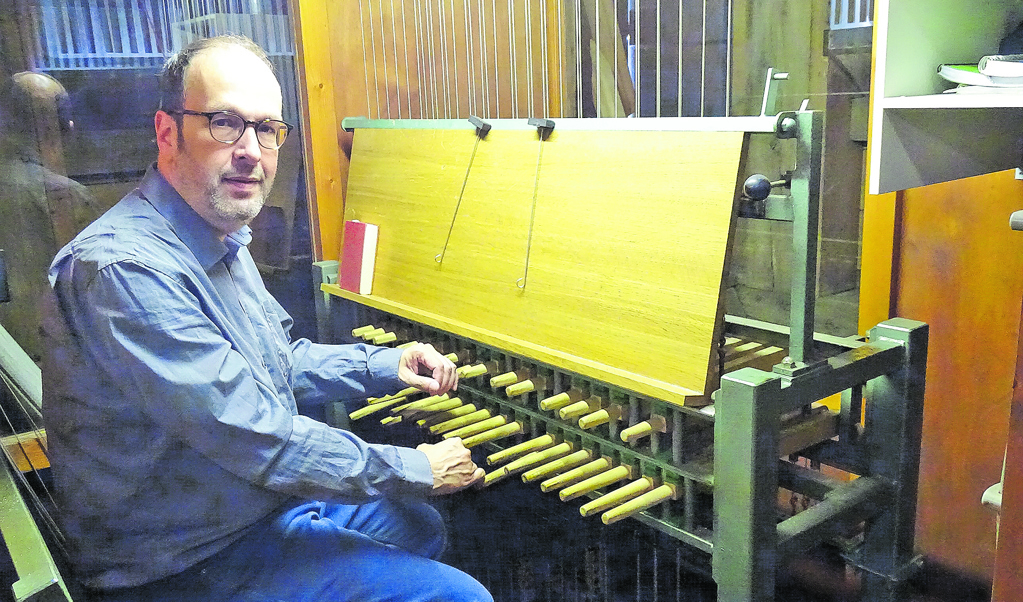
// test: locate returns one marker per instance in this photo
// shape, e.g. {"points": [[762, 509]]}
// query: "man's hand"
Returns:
{"points": [[452, 465], [424, 368]]}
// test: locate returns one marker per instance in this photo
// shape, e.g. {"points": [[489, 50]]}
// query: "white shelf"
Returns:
{"points": [[954, 101], [919, 135]]}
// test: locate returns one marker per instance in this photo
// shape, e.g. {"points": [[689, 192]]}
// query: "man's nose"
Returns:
{"points": [[247, 147]]}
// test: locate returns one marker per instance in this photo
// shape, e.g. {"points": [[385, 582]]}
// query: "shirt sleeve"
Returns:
{"points": [[323, 373], [149, 331]]}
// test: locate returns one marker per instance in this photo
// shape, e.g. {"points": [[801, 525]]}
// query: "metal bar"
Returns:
{"points": [[805, 225], [848, 369], [894, 423], [751, 124], [747, 428], [851, 502], [38, 577], [813, 483]]}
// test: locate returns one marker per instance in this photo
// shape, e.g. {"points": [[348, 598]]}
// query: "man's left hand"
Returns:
{"points": [[423, 367]]}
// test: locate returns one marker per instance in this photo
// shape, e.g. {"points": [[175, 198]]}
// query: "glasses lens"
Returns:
{"points": [[272, 133], [226, 127]]}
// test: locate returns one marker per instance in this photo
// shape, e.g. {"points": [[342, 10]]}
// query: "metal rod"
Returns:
{"points": [[521, 282], [383, 57], [678, 96], [528, 23], [470, 59], [657, 59], [454, 63], [394, 46], [440, 256], [751, 124]]}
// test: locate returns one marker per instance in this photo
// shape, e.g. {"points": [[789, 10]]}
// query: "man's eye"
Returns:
{"points": [[222, 122]]}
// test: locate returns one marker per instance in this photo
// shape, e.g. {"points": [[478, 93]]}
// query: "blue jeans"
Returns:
{"points": [[316, 551]]}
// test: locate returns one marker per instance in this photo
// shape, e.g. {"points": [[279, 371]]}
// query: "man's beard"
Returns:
{"points": [[229, 209]]}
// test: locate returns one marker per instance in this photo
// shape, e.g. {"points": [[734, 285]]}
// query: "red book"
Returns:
{"points": [[358, 253]]}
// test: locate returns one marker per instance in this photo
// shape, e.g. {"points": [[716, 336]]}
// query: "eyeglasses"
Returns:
{"points": [[228, 127]]}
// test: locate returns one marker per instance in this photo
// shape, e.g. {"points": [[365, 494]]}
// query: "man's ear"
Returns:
{"points": [[166, 132]]}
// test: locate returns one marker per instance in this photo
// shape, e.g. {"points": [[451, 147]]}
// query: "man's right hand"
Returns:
{"points": [[452, 465]]}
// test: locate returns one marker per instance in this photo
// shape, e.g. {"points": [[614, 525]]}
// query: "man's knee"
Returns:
{"points": [[464, 589]]}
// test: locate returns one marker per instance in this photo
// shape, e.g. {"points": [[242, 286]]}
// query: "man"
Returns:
{"points": [[41, 209], [182, 466]]}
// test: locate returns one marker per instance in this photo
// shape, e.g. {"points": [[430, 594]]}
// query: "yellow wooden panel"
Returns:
{"points": [[629, 243]]}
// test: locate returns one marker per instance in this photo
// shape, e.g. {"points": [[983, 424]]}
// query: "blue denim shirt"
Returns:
{"points": [[172, 396]]}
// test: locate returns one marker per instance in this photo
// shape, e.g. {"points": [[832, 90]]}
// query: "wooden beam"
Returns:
{"points": [[325, 164], [27, 450]]}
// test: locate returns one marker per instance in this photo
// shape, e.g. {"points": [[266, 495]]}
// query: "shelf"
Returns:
{"points": [[954, 101], [919, 135]]}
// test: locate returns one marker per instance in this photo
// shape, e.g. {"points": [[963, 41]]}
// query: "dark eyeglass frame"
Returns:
{"points": [[209, 115]]}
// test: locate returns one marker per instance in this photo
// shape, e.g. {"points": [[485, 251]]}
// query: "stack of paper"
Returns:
{"points": [[994, 73]]}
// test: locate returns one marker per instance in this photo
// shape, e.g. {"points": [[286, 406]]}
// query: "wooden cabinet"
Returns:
{"points": [[920, 135], [941, 251]]}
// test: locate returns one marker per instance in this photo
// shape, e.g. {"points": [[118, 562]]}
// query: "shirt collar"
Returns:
{"points": [[199, 236]]}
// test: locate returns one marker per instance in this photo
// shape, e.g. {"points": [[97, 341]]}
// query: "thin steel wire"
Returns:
{"points": [[703, 61], [543, 60], [419, 57], [404, 43], [657, 59], [497, 64], [512, 59], [365, 60], [579, 58], [527, 22], [470, 59], [454, 65], [680, 46], [373, 50], [596, 59], [383, 55]]}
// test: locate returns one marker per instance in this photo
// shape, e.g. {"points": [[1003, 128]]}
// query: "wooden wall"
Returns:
{"points": [[384, 60], [955, 264]]}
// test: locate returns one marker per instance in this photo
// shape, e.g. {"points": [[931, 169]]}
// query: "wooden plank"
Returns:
{"points": [[1008, 579], [959, 271], [624, 274], [27, 450], [324, 167]]}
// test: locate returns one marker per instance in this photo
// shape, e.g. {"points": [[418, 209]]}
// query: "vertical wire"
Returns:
{"points": [[679, 93], [365, 59], [419, 57], [578, 58], [527, 21], [657, 59], [397, 77], [497, 64], [442, 34], [639, 85], [383, 58], [470, 59], [543, 61], [617, 45], [513, 64], [703, 61], [561, 55], [596, 57], [486, 56], [454, 65], [728, 62], [433, 58], [373, 49]]}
